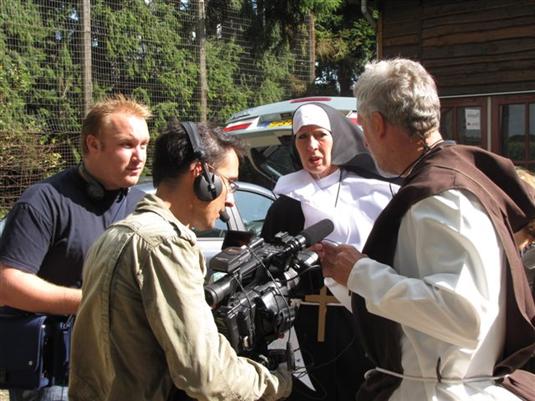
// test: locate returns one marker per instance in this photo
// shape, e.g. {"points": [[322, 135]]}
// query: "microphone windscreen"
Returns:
{"points": [[316, 232], [223, 216]]}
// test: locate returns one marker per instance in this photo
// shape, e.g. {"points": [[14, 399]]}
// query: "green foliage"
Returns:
{"points": [[161, 113], [21, 153], [148, 49], [227, 86], [21, 28], [24, 159], [319, 7], [276, 70], [27, 153], [345, 43]]}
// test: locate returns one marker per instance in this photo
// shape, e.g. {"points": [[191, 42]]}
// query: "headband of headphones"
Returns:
{"points": [[208, 186], [194, 139]]}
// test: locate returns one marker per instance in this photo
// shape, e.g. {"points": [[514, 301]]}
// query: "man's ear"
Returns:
{"points": [[378, 123], [92, 142], [196, 168]]}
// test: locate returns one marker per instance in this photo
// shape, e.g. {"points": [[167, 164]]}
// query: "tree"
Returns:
{"points": [[257, 51], [143, 49], [26, 154], [345, 42]]}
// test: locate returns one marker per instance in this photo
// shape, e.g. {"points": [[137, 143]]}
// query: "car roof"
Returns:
{"points": [[262, 123]]}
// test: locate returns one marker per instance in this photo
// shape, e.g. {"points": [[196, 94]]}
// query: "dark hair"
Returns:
{"points": [[173, 152]]}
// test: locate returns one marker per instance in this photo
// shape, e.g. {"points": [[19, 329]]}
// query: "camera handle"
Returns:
{"points": [[277, 356]]}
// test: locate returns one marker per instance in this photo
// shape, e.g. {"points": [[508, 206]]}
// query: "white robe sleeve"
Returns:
{"points": [[448, 271]]}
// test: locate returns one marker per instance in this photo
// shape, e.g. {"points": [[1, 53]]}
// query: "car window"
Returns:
{"points": [[218, 231], [253, 208], [275, 160]]}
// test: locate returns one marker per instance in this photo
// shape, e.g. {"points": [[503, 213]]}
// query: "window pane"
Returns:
{"points": [[469, 125], [275, 160], [219, 231], [531, 131], [253, 208], [446, 124], [513, 130]]}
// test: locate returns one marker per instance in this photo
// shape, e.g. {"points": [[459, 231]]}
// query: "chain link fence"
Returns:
{"points": [[196, 60]]}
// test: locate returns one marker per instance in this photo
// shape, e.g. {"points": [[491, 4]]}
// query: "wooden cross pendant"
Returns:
{"points": [[321, 299]]}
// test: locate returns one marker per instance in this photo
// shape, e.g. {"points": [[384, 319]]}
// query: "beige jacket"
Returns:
{"points": [[144, 327]]}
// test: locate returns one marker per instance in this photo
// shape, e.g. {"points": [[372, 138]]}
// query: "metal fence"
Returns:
{"points": [[194, 59]]}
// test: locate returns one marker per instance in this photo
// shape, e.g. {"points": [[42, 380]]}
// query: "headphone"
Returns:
{"points": [[94, 189], [207, 186]]}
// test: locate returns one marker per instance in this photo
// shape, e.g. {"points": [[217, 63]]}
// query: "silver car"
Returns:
{"points": [[251, 204], [268, 130]]}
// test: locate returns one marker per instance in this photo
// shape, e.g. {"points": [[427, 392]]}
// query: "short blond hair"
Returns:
{"points": [[99, 113]]}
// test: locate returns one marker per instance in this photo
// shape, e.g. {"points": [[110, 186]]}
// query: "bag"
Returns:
{"points": [[57, 349], [34, 350], [22, 344]]}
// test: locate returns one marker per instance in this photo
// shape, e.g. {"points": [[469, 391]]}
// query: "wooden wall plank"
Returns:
{"points": [[469, 46], [412, 52], [476, 26], [482, 36], [466, 62], [509, 47], [402, 40]]}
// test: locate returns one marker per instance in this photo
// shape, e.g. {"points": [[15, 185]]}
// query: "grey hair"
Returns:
{"points": [[403, 92]]}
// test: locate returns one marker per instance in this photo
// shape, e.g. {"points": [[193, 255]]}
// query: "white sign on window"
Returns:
{"points": [[472, 118]]}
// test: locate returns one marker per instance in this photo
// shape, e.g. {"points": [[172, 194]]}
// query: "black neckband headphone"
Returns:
{"points": [[207, 186], [94, 189]]}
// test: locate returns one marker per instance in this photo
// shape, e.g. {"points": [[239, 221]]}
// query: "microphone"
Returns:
{"points": [[316, 232], [239, 261], [309, 236], [223, 216]]}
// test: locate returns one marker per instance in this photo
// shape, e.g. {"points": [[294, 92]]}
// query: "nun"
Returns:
{"points": [[339, 181]]}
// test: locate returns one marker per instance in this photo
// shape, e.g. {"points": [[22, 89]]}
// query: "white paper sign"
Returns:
{"points": [[472, 118]]}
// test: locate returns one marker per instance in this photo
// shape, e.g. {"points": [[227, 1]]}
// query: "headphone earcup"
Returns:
{"points": [[208, 189]]}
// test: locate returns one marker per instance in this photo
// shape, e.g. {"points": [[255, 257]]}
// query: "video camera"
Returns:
{"points": [[252, 301]]}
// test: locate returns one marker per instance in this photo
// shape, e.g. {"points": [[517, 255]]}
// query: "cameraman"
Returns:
{"points": [[144, 328]]}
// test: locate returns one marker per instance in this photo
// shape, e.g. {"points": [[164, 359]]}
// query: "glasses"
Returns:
{"points": [[232, 185]]}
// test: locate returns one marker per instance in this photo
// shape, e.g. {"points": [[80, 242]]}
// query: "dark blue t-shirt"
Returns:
{"points": [[51, 227]]}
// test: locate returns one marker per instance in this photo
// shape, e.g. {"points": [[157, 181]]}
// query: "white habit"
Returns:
{"points": [[448, 294]]}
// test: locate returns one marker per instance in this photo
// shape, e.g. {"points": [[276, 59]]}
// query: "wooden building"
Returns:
{"points": [[482, 56]]}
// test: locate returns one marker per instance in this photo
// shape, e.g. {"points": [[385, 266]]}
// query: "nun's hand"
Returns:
{"points": [[337, 261]]}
